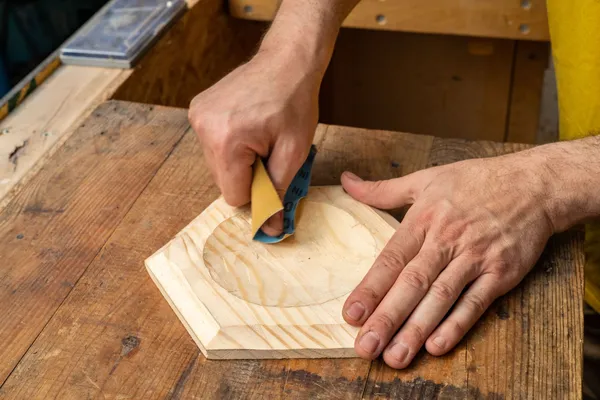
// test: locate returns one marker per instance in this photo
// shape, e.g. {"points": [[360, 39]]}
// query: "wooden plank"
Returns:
{"points": [[46, 119], [430, 84], [243, 299], [57, 224], [214, 43], [536, 312], [501, 18], [28, 84], [530, 63]]}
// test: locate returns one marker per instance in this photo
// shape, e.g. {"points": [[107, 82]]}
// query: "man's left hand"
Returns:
{"points": [[474, 230]]}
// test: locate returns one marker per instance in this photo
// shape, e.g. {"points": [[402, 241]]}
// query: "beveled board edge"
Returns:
{"points": [[178, 291]]}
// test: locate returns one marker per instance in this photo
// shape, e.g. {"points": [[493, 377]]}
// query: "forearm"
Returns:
{"points": [[306, 31], [571, 173]]}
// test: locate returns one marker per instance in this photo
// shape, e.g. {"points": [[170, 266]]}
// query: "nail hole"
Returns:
{"points": [[524, 29], [381, 20], [20, 236], [248, 9], [525, 4]]}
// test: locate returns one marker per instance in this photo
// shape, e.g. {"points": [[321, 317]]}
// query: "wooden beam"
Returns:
{"points": [[512, 19], [41, 124], [530, 62]]}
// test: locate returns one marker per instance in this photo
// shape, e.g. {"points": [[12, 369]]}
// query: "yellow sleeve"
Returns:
{"points": [[575, 36]]}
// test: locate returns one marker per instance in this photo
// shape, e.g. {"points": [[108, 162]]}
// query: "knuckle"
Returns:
{"points": [[196, 121], [378, 187], [476, 303], [415, 279], [218, 144], [416, 332], [426, 216], [374, 190], [449, 233], [391, 259], [368, 293], [501, 267], [443, 291], [458, 328], [385, 320]]}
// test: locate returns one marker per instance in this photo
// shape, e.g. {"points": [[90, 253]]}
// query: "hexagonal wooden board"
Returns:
{"points": [[240, 298]]}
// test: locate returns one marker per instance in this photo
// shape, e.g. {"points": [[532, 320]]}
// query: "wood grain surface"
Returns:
{"points": [[243, 299], [45, 120], [84, 320], [500, 18], [530, 63], [54, 227]]}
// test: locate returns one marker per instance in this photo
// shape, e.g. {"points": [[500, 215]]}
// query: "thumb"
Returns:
{"points": [[284, 162], [388, 194]]}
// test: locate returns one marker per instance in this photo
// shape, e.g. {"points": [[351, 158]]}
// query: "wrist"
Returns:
{"points": [[303, 33], [571, 176], [293, 59]]}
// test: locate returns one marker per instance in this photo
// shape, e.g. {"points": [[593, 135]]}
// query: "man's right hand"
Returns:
{"points": [[267, 107]]}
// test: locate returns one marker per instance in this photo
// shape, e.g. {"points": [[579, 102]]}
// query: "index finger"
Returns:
{"points": [[400, 250], [235, 181]]}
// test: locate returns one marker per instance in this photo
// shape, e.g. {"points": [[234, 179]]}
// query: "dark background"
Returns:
{"points": [[32, 29]]}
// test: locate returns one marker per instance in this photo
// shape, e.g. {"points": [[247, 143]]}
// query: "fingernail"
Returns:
{"points": [[440, 342], [369, 342], [399, 351], [352, 176], [355, 311]]}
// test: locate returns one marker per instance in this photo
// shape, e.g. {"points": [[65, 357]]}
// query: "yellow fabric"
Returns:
{"points": [[575, 37]]}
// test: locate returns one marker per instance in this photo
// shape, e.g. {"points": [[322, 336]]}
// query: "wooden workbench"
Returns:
{"points": [[81, 318]]}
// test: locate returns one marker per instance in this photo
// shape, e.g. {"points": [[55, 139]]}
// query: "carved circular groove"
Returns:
{"points": [[326, 258]]}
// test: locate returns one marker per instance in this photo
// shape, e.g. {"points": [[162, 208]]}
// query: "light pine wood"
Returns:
{"points": [[500, 18], [240, 298], [114, 336], [46, 119]]}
